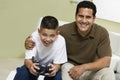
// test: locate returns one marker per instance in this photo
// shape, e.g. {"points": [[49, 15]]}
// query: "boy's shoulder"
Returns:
{"points": [[60, 38], [60, 41]]}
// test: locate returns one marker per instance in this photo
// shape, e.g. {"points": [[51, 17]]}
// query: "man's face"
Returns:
{"points": [[47, 36], [84, 20]]}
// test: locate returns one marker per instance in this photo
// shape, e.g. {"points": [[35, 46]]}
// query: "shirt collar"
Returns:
{"points": [[75, 32]]}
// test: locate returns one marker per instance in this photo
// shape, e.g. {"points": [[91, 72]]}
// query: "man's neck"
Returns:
{"points": [[83, 34]]}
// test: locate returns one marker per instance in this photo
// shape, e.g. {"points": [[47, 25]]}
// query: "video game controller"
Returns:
{"points": [[43, 68]]}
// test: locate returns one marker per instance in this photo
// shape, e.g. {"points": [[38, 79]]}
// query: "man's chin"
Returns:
{"points": [[83, 30]]}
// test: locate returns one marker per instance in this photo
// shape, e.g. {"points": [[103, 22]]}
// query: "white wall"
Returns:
{"points": [[108, 9]]}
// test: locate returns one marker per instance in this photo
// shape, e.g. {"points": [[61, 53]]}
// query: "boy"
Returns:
{"points": [[49, 50]]}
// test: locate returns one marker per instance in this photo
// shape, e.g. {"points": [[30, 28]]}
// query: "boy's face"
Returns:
{"points": [[47, 36]]}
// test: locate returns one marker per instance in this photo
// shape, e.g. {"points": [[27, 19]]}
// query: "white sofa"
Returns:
{"points": [[115, 45], [115, 62]]}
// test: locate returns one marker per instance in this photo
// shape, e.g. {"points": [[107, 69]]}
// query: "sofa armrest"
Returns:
{"points": [[118, 67], [114, 62], [118, 71]]}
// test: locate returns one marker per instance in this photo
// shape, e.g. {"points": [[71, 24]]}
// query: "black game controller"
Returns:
{"points": [[43, 68]]}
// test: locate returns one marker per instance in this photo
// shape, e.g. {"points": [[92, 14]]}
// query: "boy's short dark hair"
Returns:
{"points": [[49, 22], [86, 4]]}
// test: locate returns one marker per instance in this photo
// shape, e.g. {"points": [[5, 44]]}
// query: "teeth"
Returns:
{"points": [[84, 25]]}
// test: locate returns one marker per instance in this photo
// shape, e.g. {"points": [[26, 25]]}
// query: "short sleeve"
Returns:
{"points": [[61, 55], [104, 48], [30, 53]]}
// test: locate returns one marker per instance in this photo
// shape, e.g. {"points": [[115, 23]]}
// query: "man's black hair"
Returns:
{"points": [[86, 4]]}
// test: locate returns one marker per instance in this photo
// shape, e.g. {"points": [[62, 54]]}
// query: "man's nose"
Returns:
{"points": [[84, 19]]}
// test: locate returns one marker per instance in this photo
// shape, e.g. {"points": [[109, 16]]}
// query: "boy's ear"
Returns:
{"points": [[58, 32], [38, 30]]}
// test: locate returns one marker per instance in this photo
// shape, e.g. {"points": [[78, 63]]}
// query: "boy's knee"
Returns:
{"points": [[23, 70], [21, 73]]}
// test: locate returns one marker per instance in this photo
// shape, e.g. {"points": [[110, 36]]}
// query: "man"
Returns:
{"points": [[48, 53], [88, 46]]}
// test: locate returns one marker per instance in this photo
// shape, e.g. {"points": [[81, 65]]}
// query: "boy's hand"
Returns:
{"points": [[54, 70], [29, 44], [33, 69]]}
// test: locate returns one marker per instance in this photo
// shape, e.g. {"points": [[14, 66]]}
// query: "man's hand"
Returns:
{"points": [[29, 44], [76, 71]]}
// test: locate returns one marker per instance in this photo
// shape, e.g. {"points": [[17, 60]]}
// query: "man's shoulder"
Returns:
{"points": [[100, 30], [66, 25]]}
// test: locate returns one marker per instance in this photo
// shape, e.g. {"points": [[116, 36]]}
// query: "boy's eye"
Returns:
{"points": [[44, 34], [81, 16], [52, 35]]}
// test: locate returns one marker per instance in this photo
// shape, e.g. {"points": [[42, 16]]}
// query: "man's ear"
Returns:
{"points": [[94, 17]]}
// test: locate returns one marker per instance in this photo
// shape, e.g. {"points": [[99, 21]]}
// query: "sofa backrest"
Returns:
{"points": [[115, 42]]}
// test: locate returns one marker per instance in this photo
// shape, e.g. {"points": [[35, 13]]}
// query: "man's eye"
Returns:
{"points": [[88, 17]]}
